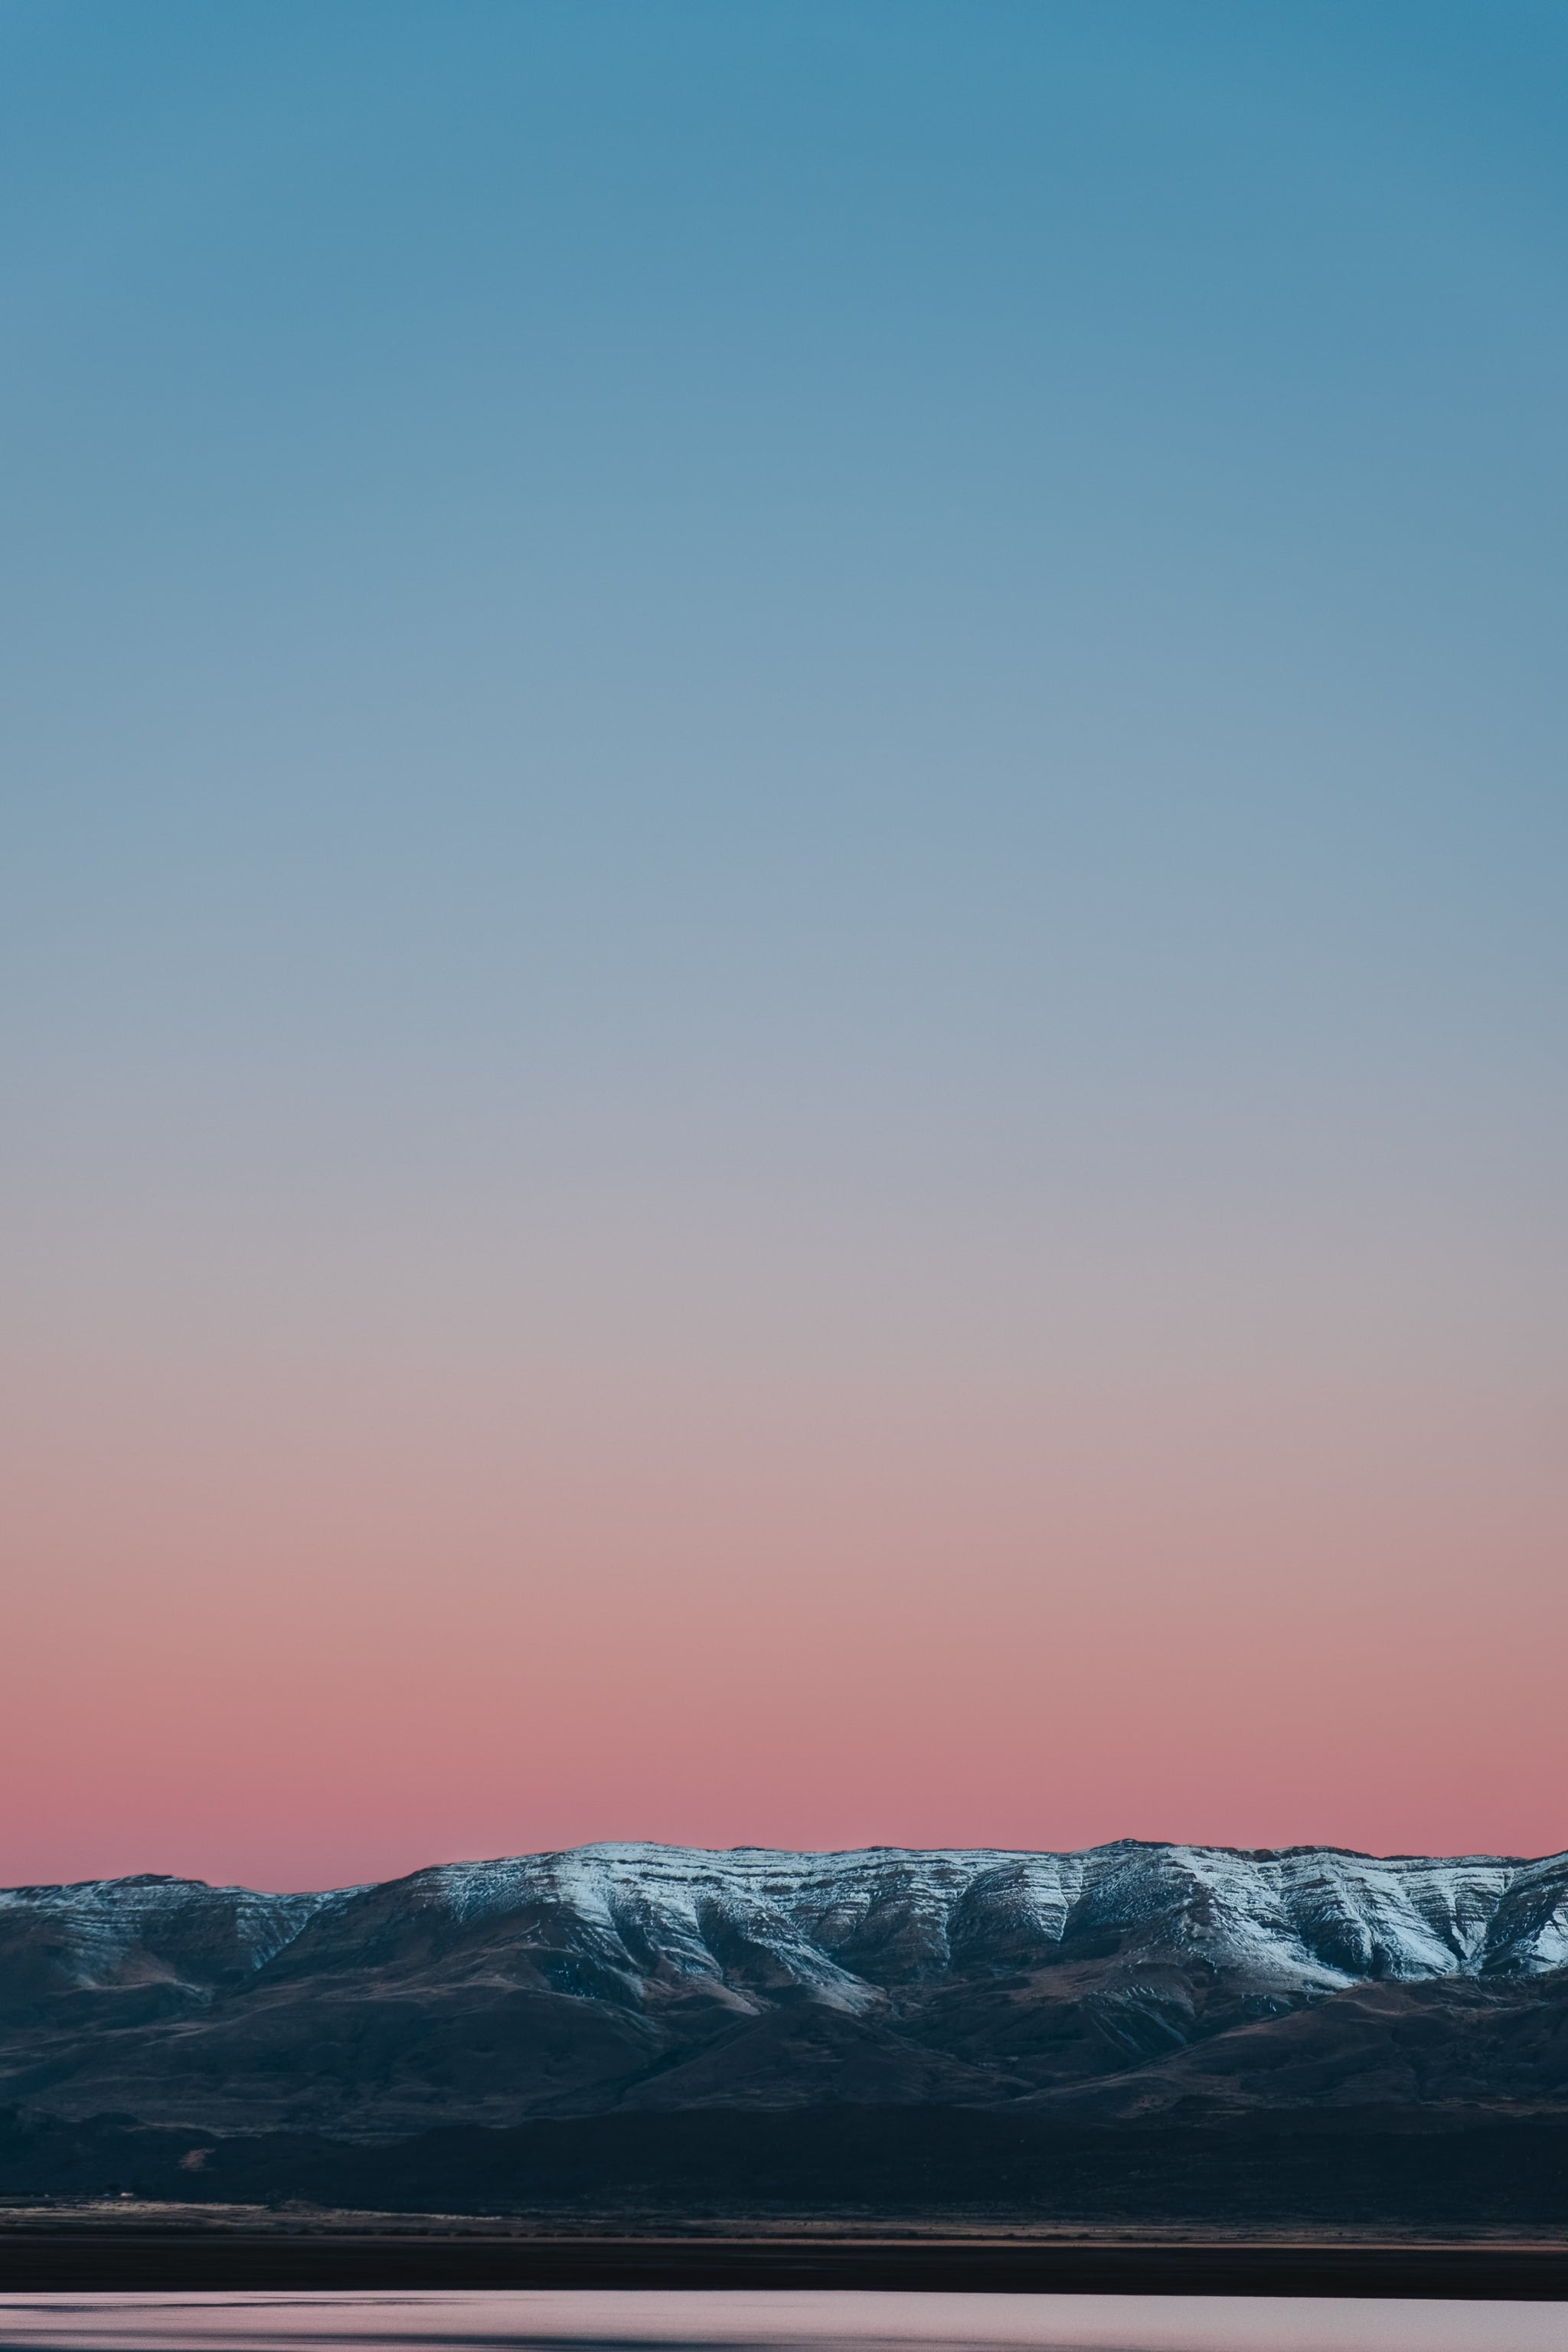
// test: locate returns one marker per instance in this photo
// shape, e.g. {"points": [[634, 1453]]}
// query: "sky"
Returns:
{"points": [[783, 950]]}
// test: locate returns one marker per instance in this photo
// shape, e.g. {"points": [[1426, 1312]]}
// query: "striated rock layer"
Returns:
{"points": [[1119, 1981]]}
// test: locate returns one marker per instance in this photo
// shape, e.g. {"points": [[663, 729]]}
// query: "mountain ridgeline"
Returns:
{"points": [[1121, 1985]]}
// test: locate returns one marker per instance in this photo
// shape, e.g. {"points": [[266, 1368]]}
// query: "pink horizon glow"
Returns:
{"points": [[309, 1638]]}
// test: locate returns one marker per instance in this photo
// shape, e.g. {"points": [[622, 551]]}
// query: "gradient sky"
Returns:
{"points": [[783, 927]]}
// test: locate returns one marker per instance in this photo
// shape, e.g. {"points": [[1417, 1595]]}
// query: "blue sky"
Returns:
{"points": [[844, 687]]}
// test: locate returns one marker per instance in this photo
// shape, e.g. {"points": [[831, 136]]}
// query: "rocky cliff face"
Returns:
{"points": [[1118, 1981]]}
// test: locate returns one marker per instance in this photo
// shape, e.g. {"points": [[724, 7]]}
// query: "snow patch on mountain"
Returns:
{"points": [[752, 1925]]}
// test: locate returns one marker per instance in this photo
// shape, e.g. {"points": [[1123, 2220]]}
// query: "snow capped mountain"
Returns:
{"points": [[838, 1926], [633, 1976], [130, 1931]]}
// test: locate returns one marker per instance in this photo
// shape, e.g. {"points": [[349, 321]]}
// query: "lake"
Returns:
{"points": [[762, 2320]]}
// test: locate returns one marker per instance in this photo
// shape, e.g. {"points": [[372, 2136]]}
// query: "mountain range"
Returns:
{"points": [[1122, 1985]]}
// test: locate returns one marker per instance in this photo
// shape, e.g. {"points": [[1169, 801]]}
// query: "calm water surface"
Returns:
{"points": [[752, 2320]]}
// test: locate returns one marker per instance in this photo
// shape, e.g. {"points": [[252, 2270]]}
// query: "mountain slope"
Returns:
{"points": [[614, 1979]]}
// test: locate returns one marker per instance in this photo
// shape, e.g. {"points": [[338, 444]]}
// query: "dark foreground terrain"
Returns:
{"points": [[227, 2251], [1436, 2174]]}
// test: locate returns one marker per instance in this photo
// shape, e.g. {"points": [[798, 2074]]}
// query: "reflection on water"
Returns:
{"points": [[757, 2320]]}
